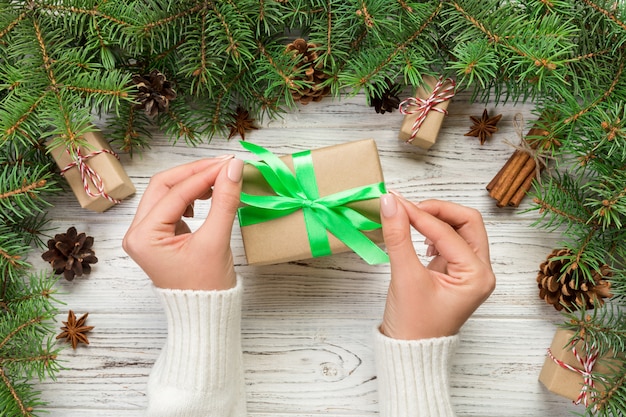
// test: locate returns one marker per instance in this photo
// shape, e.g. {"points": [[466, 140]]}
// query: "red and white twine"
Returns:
{"points": [[587, 362], [421, 107], [88, 174]]}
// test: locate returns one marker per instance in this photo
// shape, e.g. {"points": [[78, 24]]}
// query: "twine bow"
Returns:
{"points": [[539, 158], [299, 192], [587, 362], [421, 107], [88, 174]]}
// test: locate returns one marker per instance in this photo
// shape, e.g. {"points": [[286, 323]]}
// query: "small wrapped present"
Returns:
{"points": [[312, 203], [424, 113], [94, 173], [569, 366]]}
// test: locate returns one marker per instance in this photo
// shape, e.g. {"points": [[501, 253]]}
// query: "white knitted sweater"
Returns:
{"points": [[199, 373]]}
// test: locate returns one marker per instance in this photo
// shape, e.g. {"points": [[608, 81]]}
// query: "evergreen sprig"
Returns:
{"points": [[26, 345]]}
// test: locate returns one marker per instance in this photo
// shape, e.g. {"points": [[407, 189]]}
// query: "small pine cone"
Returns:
{"points": [[70, 254], [388, 101], [306, 56], [155, 92], [559, 287]]}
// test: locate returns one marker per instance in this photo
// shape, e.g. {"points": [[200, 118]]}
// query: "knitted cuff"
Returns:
{"points": [[200, 368], [413, 376]]}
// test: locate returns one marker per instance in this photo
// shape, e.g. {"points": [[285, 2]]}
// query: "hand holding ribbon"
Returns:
{"points": [[299, 191]]}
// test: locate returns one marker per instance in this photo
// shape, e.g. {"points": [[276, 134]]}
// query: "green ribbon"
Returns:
{"points": [[299, 192]]}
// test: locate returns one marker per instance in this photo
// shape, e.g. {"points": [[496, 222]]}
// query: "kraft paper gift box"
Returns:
{"points": [[565, 382], [336, 168], [427, 133], [116, 182]]}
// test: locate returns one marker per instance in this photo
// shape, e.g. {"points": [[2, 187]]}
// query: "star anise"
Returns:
{"points": [[484, 127], [242, 123], [74, 330]]}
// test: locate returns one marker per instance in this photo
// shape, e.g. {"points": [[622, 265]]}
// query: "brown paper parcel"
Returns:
{"points": [[337, 168], [116, 182], [560, 380], [429, 130]]}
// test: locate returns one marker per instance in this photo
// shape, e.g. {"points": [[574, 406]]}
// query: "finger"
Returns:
{"points": [[171, 206], [163, 181], [450, 245], [468, 223], [217, 227], [397, 236]]}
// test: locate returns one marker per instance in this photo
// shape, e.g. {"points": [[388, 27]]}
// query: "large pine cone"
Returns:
{"points": [[70, 254], [155, 92], [313, 74], [559, 287]]}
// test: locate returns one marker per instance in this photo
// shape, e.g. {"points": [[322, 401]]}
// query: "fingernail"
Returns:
{"points": [[235, 170], [225, 157], [394, 192], [388, 205], [431, 251]]}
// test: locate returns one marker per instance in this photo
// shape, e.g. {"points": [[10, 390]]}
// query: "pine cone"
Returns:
{"points": [[155, 92], [313, 74], [388, 101], [560, 289], [70, 254]]}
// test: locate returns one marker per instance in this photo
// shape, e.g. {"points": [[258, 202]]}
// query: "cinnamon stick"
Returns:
{"points": [[519, 158], [521, 192], [514, 179], [527, 169], [495, 179]]}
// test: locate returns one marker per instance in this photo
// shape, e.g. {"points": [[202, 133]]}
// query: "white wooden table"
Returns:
{"points": [[307, 326]]}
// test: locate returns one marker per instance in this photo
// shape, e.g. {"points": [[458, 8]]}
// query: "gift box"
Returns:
{"points": [[567, 368], [312, 203], [94, 173], [425, 112]]}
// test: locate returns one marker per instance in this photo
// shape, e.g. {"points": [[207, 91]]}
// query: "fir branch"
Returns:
{"points": [[24, 410], [95, 12], [606, 13], [13, 23], [151, 26], [603, 97], [367, 78]]}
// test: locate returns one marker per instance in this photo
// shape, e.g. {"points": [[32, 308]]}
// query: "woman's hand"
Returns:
{"points": [[162, 244], [434, 301]]}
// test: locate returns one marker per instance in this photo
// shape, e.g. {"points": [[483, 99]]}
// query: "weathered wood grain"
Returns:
{"points": [[307, 325]]}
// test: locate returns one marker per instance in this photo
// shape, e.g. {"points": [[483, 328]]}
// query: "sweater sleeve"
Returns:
{"points": [[199, 371], [413, 376]]}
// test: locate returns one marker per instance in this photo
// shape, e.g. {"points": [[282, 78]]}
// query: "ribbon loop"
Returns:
{"points": [[299, 191], [88, 174], [421, 107]]}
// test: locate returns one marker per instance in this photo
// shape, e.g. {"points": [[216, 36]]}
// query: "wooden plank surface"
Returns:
{"points": [[308, 325]]}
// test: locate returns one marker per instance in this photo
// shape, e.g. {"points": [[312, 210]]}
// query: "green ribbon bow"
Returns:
{"points": [[300, 192]]}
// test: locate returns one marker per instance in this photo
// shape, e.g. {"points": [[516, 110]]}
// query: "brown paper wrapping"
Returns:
{"points": [[429, 130], [337, 168], [560, 380], [116, 182]]}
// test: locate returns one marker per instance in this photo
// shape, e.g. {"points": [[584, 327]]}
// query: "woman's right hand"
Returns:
{"points": [[434, 300]]}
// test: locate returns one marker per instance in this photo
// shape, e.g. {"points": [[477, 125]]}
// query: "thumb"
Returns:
{"points": [[397, 235], [216, 229]]}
